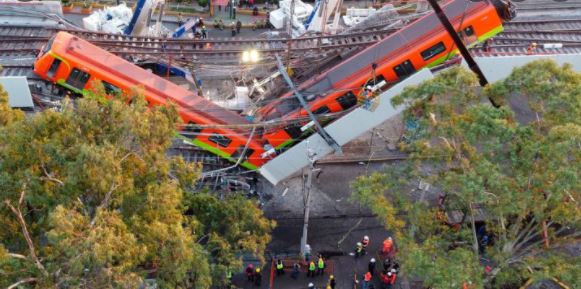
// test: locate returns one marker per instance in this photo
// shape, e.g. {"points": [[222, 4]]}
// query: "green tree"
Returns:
{"points": [[524, 175], [90, 200]]}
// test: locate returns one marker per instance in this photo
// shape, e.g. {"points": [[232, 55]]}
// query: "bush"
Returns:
{"points": [[203, 3]]}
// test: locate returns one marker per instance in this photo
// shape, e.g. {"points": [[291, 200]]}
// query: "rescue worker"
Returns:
{"points": [[332, 282], [180, 19], [358, 249], [296, 270], [311, 285], [390, 280], [279, 267], [366, 280], [204, 32], [532, 48], [387, 246], [250, 272], [320, 265], [312, 269], [371, 266], [367, 93], [238, 26], [257, 277]]}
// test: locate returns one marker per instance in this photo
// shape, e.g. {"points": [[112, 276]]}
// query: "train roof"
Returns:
{"points": [[96, 58], [382, 49]]}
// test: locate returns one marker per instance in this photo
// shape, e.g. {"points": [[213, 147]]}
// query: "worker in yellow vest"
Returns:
{"points": [[312, 269], [279, 267], [321, 265]]}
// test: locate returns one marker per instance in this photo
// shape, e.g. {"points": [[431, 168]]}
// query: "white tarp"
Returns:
{"points": [[111, 19]]}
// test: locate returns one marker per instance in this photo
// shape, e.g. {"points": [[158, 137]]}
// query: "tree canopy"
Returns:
{"points": [[89, 199], [520, 175]]}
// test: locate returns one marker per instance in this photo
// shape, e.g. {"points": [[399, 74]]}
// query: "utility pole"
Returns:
{"points": [[312, 160], [290, 36]]}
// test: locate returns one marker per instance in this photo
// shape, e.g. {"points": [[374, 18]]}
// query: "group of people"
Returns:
{"points": [[254, 275], [390, 268]]}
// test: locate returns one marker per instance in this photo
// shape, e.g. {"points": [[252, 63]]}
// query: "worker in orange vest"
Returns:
{"points": [[387, 246], [366, 280]]}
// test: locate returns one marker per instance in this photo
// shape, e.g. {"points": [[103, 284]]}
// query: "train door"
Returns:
{"points": [[78, 79], [53, 68], [405, 69]]}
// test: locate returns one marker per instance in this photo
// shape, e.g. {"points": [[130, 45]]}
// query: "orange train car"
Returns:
{"points": [[423, 43], [76, 64]]}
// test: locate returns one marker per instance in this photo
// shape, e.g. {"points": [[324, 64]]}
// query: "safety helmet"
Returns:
{"points": [[392, 271], [359, 244], [372, 260], [331, 277], [368, 87], [311, 284], [366, 238], [257, 270], [389, 238], [388, 273]]}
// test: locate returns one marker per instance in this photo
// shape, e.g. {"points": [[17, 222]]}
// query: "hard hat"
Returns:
{"points": [[331, 277], [372, 260], [359, 244], [388, 273], [368, 88], [367, 237], [392, 270], [311, 284], [389, 238], [257, 270]]}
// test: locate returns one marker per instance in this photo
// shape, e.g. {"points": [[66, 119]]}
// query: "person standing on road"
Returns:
{"points": [[365, 241], [358, 249], [279, 267], [332, 282], [321, 265], [233, 29], [257, 277], [312, 268], [371, 266], [366, 280], [250, 272], [296, 270], [238, 26], [204, 32]]}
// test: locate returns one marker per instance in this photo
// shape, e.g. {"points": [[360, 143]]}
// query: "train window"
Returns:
{"points": [[405, 69], [220, 140], [192, 129], [111, 89], [54, 67], [239, 151], [48, 45], [347, 100], [287, 105], [322, 110], [78, 78], [433, 51], [294, 131]]}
